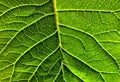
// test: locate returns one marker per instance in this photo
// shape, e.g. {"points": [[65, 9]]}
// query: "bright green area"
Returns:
{"points": [[59, 40]]}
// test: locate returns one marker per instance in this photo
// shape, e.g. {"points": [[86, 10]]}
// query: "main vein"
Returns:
{"points": [[59, 37], [56, 19]]}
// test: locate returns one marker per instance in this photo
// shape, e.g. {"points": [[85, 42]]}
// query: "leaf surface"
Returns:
{"points": [[59, 40]]}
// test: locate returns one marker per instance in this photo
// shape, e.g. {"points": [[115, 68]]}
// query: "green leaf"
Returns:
{"points": [[59, 40]]}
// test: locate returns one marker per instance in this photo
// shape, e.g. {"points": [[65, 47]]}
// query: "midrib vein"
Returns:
{"points": [[59, 37], [56, 20]]}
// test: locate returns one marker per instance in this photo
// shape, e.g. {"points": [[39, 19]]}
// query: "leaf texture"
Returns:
{"points": [[59, 40]]}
